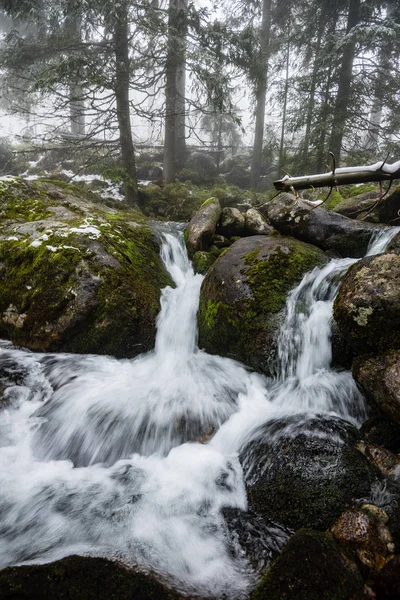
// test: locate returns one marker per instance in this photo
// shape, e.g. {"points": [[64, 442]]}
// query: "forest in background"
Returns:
{"points": [[316, 76]]}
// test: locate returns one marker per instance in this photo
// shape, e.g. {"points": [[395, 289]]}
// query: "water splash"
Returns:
{"points": [[98, 456]]}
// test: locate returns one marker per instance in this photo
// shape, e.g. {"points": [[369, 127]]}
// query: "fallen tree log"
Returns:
{"points": [[380, 171]]}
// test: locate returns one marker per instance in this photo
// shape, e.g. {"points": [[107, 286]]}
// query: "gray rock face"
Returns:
{"points": [[255, 223], [232, 223], [201, 228], [367, 307], [379, 376], [328, 230]]}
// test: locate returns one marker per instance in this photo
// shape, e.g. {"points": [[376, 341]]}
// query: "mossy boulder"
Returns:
{"points": [[311, 567], [360, 207], [81, 578], [306, 472], [379, 376], [367, 307], [327, 230], [75, 275], [244, 292]]}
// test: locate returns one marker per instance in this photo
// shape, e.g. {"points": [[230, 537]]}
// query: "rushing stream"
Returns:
{"points": [[134, 459]]}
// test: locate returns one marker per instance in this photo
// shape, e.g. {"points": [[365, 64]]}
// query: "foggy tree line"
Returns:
{"points": [[328, 70]]}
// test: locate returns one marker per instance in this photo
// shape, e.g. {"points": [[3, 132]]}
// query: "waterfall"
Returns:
{"points": [[107, 457]]}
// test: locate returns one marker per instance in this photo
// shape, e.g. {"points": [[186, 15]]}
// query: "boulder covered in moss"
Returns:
{"points": [[327, 230], [81, 578], [367, 307], [360, 207], [75, 275], [305, 472], [199, 232], [244, 292], [379, 376], [312, 566]]}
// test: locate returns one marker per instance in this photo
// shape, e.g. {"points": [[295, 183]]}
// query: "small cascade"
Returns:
{"points": [[108, 457]]}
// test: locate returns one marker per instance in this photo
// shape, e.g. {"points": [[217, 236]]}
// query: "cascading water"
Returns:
{"points": [[99, 456]]}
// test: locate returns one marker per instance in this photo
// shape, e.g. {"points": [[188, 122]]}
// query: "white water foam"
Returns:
{"points": [[98, 456]]}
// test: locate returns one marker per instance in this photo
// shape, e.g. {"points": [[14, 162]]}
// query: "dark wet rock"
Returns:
{"points": [[244, 292], [389, 208], [394, 245], [76, 275], [232, 222], [260, 540], [312, 566], [305, 473], [201, 228], [255, 223], [357, 207], [379, 376], [220, 241], [81, 578], [367, 307], [381, 430], [387, 583], [327, 230]]}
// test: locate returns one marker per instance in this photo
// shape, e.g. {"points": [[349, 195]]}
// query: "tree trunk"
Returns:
{"points": [[343, 176], [261, 94], [313, 86], [175, 134], [285, 100], [343, 93], [73, 27], [122, 64]]}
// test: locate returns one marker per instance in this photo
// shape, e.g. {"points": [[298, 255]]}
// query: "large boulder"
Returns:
{"points": [[328, 230], [244, 292], [304, 472], [312, 566], [199, 232], [379, 376], [76, 276], [367, 307], [81, 578]]}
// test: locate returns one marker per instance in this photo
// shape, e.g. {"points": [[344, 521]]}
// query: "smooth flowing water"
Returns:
{"points": [[134, 459]]}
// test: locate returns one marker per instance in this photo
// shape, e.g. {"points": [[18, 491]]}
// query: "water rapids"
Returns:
{"points": [[134, 459]]}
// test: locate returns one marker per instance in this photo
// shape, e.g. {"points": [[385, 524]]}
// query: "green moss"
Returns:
{"points": [[271, 280], [202, 261], [335, 198], [22, 201]]}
